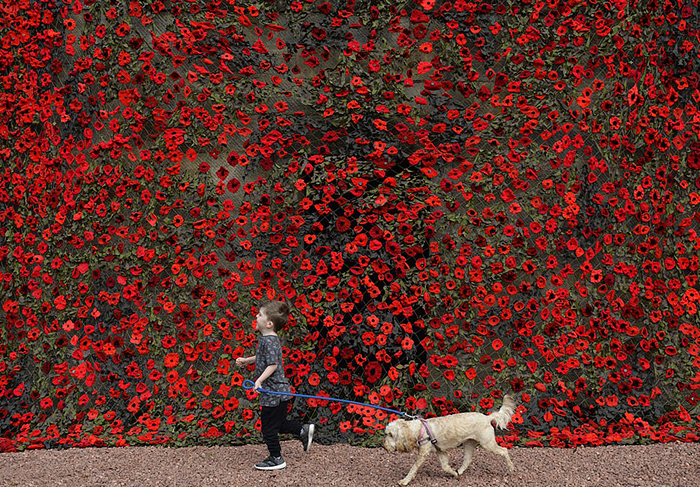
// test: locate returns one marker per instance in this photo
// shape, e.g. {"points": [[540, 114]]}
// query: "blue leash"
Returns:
{"points": [[249, 384]]}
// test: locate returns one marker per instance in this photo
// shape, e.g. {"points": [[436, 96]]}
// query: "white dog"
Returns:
{"points": [[447, 432]]}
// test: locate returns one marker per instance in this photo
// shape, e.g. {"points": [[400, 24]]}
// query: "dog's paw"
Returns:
{"points": [[404, 482]]}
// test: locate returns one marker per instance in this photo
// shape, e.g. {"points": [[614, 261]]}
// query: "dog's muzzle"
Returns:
{"points": [[388, 446]]}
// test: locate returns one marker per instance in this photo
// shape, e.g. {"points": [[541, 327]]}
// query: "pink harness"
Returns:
{"points": [[422, 440]]}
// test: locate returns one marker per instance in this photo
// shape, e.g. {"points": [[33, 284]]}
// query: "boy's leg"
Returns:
{"points": [[305, 433], [272, 419], [289, 426]]}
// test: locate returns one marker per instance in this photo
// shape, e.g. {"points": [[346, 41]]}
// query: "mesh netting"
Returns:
{"points": [[458, 200]]}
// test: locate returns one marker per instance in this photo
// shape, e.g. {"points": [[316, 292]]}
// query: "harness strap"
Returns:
{"points": [[422, 440]]}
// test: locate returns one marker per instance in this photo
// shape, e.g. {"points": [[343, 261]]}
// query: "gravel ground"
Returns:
{"points": [[672, 464]]}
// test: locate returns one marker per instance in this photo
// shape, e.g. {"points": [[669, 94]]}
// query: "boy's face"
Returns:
{"points": [[261, 320]]}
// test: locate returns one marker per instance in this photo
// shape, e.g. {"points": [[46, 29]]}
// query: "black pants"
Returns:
{"points": [[273, 423]]}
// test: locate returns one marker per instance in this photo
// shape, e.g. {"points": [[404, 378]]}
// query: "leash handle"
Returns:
{"points": [[249, 384]]}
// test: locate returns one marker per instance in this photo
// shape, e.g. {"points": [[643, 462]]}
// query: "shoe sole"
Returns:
{"points": [[309, 437], [276, 467]]}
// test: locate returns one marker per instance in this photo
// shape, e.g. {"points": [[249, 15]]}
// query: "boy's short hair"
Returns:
{"points": [[277, 312]]}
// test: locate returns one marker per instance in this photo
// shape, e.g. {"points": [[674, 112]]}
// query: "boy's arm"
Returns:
{"points": [[269, 370], [241, 361]]}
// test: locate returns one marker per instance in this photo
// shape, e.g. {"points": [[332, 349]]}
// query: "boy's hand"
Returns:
{"points": [[240, 361]]}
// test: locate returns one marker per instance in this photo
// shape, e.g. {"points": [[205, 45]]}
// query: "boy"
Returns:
{"points": [[269, 365]]}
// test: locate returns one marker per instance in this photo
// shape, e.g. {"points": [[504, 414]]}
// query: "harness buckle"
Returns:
{"points": [[429, 435]]}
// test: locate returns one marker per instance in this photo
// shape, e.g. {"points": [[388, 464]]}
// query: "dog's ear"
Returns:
{"points": [[406, 436]]}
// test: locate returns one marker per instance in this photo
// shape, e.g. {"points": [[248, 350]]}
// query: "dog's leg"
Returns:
{"points": [[423, 453], [494, 447], [469, 446], [445, 463]]}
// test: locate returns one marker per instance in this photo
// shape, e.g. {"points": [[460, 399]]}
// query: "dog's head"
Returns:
{"points": [[400, 436]]}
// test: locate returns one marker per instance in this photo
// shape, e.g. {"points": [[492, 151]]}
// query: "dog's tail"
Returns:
{"points": [[501, 418]]}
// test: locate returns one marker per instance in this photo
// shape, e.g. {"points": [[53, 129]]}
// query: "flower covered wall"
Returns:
{"points": [[459, 200]]}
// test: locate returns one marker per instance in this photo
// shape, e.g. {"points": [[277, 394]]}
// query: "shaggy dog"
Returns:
{"points": [[447, 432]]}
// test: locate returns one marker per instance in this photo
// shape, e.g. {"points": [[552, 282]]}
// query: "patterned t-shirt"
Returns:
{"points": [[268, 352]]}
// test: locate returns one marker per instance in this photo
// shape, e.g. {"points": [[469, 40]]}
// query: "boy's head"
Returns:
{"points": [[276, 312]]}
